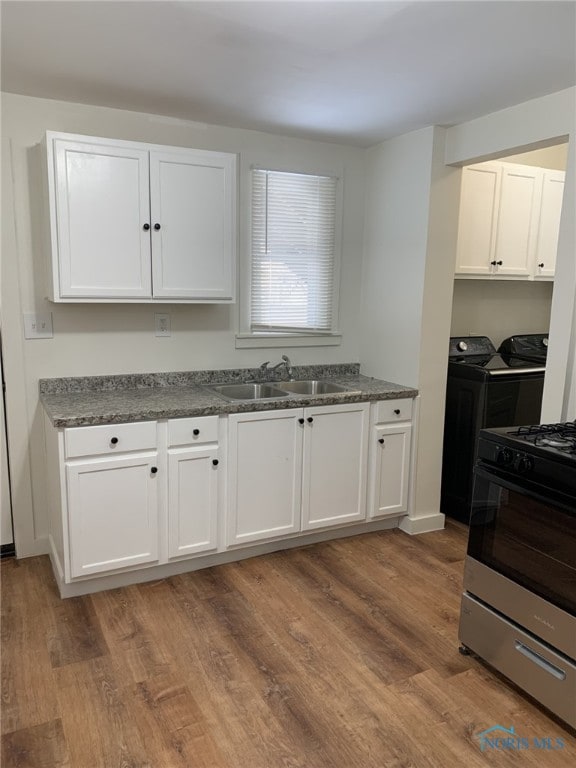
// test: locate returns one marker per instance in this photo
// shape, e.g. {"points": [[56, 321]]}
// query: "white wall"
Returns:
{"points": [[550, 157], [500, 308], [409, 254], [537, 123], [106, 339], [397, 199]]}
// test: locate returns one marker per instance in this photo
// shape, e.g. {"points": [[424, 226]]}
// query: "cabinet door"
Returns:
{"points": [[193, 198], [101, 194], [334, 465], [389, 470], [517, 220], [192, 500], [478, 219], [112, 513], [264, 475], [549, 226]]}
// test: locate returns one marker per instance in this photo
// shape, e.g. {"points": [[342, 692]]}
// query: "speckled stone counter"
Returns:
{"points": [[89, 400]]}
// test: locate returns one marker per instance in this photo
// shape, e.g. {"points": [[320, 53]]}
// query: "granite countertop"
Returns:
{"points": [[83, 401]]}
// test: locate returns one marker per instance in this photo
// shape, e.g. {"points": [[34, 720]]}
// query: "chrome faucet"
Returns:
{"points": [[264, 371], [285, 362]]}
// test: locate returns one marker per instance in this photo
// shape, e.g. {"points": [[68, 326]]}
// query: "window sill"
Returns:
{"points": [[273, 340]]}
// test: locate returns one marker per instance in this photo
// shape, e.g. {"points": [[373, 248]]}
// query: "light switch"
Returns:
{"points": [[38, 326]]}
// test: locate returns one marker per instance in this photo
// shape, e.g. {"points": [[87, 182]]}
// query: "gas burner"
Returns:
{"points": [[556, 441]]}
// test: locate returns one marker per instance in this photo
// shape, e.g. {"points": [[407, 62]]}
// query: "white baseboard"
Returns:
{"points": [[37, 547], [416, 525]]}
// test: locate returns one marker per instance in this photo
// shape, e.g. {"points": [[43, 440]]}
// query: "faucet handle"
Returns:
{"points": [[289, 370]]}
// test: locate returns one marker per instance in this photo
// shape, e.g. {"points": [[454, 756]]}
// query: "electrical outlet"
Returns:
{"points": [[162, 324], [38, 326]]}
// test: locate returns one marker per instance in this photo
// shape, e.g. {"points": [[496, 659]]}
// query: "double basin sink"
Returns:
{"points": [[255, 391]]}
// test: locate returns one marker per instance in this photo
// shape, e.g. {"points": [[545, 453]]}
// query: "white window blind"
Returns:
{"points": [[292, 275]]}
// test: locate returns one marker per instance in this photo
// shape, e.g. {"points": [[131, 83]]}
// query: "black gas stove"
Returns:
{"points": [[519, 605]]}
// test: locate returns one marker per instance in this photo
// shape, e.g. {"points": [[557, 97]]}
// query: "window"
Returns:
{"points": [[292, 253]]}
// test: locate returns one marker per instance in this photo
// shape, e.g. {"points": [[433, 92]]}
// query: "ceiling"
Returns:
{"points": [[354, 72]]}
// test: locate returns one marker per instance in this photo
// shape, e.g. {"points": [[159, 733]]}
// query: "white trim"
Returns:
{"points": [[271, 340], [417, 525]]}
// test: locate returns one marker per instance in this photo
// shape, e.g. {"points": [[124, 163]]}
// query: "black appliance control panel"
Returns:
{"points": [[522, 461], [467, 346], [531, 346], [513, 460]]}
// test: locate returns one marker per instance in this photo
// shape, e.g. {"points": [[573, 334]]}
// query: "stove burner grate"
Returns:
{"points": [[559, 436]]}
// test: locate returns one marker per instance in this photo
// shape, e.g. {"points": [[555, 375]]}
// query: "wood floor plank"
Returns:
{"points": [[375, 644], [176, 719], [76, 634], [309, 640], [41, 746], [498, 702], [130, 635], [254, 679], [237, 709], [406, 634], [97, 717], [338, 655], [28, 695]]}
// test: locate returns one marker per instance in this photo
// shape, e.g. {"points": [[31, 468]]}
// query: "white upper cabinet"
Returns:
{"points": [[520, 192], [509, 218], [547, 238], [100, 203], [478, 217], [139, 222], [193, 227]]}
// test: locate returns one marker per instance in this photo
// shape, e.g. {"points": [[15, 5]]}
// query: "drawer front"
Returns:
{"points": [[203, 429], [394, 410], [546, 675], [110, 438]]}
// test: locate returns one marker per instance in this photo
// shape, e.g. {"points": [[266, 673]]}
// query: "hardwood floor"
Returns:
{"points": [[338, 655]]}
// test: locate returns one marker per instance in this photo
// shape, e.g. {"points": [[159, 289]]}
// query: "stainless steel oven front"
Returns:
{"points": [[519, 604]]}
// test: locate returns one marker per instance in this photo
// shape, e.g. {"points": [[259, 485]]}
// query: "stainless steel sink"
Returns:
{"points": [[247, 391], [312, 387]]}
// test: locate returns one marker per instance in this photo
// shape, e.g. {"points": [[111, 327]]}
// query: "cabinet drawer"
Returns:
{"points": [[393, 410], [110, 438], [203, 429]]}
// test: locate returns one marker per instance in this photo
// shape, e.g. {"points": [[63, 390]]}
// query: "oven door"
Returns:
{"points": [[521, 556]]}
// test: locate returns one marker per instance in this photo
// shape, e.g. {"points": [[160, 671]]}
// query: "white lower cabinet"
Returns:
{"points": [[389, 469], [112, 512], [334, 465], [390, 450], [192, 500], [264, 475], [124, 497], [296, 470]]}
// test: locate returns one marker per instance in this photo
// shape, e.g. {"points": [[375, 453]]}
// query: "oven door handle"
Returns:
{"points": [[540, 661]]}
